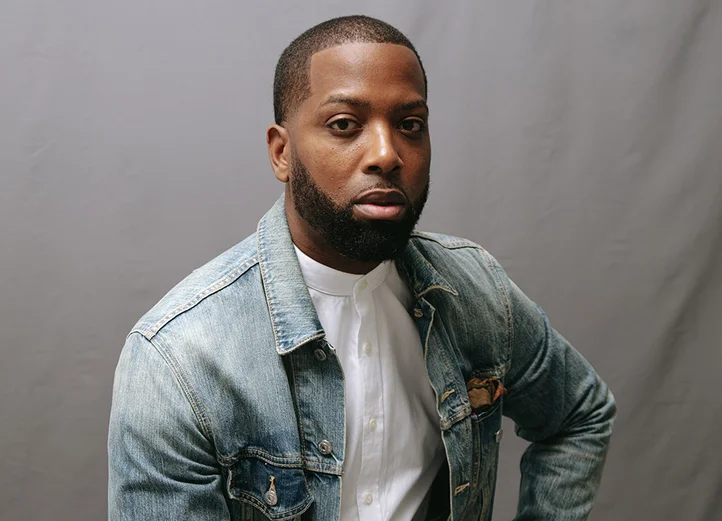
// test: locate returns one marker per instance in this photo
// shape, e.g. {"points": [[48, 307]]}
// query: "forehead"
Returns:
{"points": [[366, 70]]}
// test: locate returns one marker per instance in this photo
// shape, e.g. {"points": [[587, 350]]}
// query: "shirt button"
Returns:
{"points": [[372, 423], [319, 354], [368, 499], [325, 447], [418, 313], [363, 284], [367, 348]]}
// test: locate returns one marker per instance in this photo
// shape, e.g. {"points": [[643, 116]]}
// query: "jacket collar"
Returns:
{"points": [[419, 273], [292, 312]]}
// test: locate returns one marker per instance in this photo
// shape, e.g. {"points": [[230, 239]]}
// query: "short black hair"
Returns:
{"points": [[290, 85]]}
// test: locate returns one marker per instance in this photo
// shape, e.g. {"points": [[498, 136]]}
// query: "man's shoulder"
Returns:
{"points": [[439, 246], [440, 240], [213, 277], [457, 258]]}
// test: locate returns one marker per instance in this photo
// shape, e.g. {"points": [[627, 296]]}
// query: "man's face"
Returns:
{"points": [[360, 150]]}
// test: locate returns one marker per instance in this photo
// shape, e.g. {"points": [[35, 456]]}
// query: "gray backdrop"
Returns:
{"points": [[579, 142]]}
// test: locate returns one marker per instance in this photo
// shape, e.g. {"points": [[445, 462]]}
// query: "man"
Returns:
{"points": [[336, 365]]}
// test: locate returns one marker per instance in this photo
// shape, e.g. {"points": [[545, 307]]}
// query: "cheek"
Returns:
{"points": [[416, 172], [332, 168]]}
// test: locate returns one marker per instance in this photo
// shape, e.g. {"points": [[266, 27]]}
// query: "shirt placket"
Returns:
{"points": [[369, 486]]}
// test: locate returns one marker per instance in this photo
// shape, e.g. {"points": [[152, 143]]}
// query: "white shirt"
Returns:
{"points": [[393, 439]]}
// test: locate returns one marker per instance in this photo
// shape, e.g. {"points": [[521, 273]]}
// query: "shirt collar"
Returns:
{"points": [[291, 309], [330, 281]]}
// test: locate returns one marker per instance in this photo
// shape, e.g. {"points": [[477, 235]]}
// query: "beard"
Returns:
{"points": [[356, 239]]}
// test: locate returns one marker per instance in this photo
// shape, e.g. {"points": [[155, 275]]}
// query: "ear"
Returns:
{"points": [[279, 151]]}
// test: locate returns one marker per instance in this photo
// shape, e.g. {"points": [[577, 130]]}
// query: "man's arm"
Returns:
{"points": [[161, 465], [561, 405]]}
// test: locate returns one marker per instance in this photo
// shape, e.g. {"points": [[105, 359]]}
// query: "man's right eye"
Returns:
{"points": [[343, 125]]}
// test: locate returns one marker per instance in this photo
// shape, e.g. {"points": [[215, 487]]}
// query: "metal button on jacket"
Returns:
{"points": [[499, 435], [320, 354], [418, 313], [271, 498], [325, 447]]}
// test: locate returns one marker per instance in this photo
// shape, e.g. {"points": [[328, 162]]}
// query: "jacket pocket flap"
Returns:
{"points": [[280, 492]]}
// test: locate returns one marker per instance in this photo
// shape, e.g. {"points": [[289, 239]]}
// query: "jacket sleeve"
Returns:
{"points": [[161, 464], [561, 405]]}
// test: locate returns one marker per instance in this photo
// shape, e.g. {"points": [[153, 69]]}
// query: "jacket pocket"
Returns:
{"points": [[278, 491]]}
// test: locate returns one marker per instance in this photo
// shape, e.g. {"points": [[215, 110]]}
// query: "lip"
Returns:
{"points": [[382, 197], [386, 205]]}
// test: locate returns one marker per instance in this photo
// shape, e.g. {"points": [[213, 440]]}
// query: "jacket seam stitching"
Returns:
{"points": [[218, 285], [451, 245], [188, 391], [265, 456], [301, 434], [495, 270], [269, 298], [327, 468], [253, 501], [430, 266], [454, 418]]}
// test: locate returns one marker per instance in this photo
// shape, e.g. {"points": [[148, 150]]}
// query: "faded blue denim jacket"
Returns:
{"points": [[222, 395]]}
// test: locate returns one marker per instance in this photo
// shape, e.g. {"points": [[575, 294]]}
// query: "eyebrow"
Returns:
{"points": [[355, 102]]}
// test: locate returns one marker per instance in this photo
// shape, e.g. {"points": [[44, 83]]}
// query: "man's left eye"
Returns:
{"points": [[412, 125]]}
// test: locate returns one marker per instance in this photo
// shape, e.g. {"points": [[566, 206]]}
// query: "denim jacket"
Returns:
{"points": [[224, 407]]}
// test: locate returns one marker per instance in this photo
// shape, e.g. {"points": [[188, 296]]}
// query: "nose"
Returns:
{"points": [[382, 156]]}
